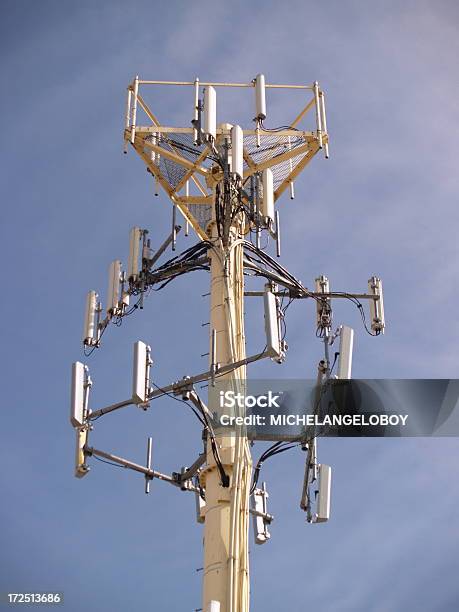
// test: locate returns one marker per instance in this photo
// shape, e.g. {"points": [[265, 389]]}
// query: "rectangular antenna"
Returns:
{"points": [[346, 343], [267, 202], [273, 347], [323, 495], [376, 306], [237, 151], [260, 97], [90, 332], [113, 296], [77, 398], [214, 606], [260, 527], [141, 373], [210, 112], [135, 236]]}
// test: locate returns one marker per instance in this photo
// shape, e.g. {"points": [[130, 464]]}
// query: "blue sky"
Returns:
{"points": [[385, 203]]}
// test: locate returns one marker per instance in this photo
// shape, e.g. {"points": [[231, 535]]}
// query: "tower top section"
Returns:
{"points": [[185, 161]]}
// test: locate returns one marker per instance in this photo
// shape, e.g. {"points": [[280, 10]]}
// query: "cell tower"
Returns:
{"points": [[224, 181]]}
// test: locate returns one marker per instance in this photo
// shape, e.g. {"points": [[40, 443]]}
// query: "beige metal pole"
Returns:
{"points": [[226, 572]]}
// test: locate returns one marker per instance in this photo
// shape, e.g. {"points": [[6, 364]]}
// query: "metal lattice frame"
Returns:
{"points": [[175, 161]]}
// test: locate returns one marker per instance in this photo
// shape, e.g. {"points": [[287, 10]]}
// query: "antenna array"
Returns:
{"points": [[224, 181]]}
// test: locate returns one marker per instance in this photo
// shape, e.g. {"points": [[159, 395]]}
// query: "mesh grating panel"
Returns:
{"points": [[271, 146], [202, 213]]}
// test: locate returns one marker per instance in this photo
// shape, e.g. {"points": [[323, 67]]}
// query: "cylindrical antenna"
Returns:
{"points": [[90, 326], [210, 112], [174, 224], [187, 194], [148, 479], [134, 108], [318, 113], [260, 98], [196, 111], [267, 202], [376, 305], [152, 152], [290, 161], [278, 237], [128, 107], [237, 151], [324, 121]]}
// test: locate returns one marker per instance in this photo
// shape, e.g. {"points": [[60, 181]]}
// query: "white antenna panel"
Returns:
{"points": [[323, 497], [114, 276], [210, 112], [135, 236], [271, 323], [346, 344], [260, 97], [214, 606], [267, 202], [259, 497], [141, 371], [237, 151], [77, 399], [90, 326], [376, 306]]}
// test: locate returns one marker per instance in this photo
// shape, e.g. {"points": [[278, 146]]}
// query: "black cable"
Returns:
{"points": [[278, 129], [178, 399], [89, 353], [207, 425], [359, 305], [108, 462], [275, 449], [225, 480]]}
